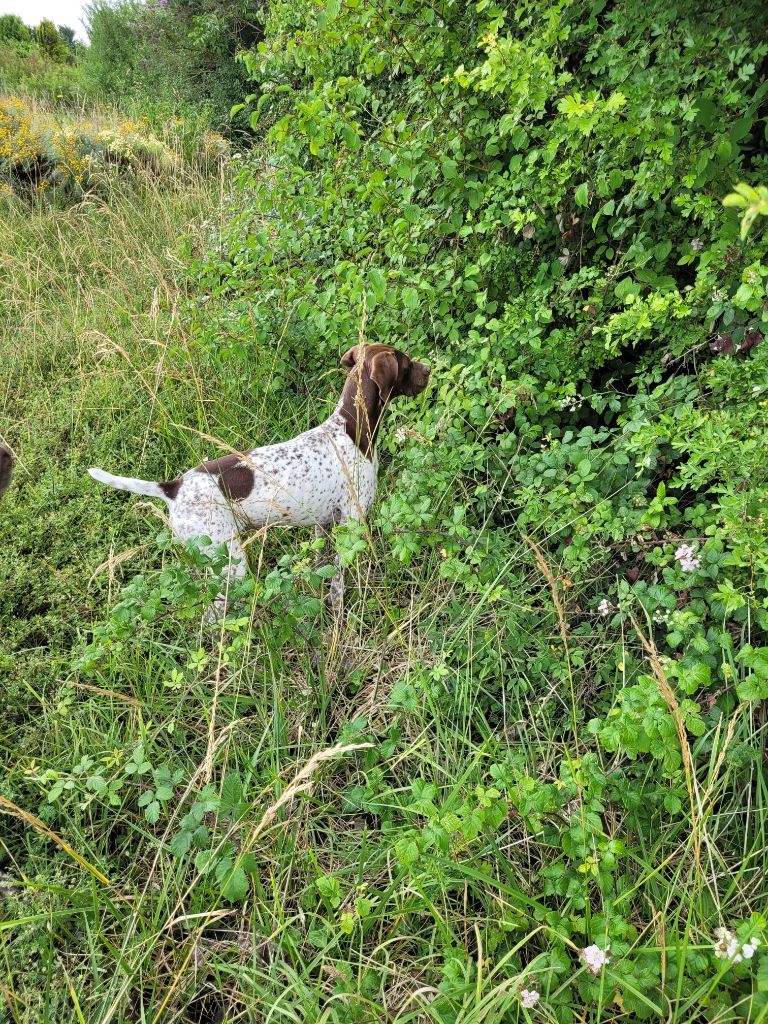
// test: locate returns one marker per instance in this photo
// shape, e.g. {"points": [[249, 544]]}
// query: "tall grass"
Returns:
{"points": [[90, 307]]}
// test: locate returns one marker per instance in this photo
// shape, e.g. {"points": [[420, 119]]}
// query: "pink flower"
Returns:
{"points": [[687, 558], [594, 958], [529, 998]]}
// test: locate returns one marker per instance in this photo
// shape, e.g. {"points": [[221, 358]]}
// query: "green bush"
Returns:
{"points": [[50, 42], [27, 70], [13, 30], [172, 53], [110, 61]]}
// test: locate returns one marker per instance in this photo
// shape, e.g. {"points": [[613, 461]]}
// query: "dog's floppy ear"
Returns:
{"points": [[383, 371], [349, 358]]}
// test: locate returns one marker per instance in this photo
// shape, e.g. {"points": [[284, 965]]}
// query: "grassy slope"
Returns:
{"points": [[96, 370]]}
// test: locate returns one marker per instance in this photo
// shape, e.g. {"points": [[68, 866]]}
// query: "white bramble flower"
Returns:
{"points": [[697, 245], [529, 998], [605, 608], [728, 947], [687, 558], [594, 958]]}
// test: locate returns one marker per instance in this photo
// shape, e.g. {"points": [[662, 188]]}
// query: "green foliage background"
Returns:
{"points": [[555, 634]]}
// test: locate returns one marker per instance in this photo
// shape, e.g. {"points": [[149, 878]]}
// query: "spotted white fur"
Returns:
{"points": [[320, 478]]}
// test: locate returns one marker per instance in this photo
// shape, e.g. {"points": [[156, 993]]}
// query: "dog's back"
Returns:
{"points": [[6, 468]]}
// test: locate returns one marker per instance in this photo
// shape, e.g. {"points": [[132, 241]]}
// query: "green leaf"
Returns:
{"points": [[231, 793], [351, 138], [695, 677], [672, 803], [410, 298], [235, 887], [582, 194], [449, 169], [180, 843], [762, 974], [741, 128], [755, 658], [752, 688], [97, 784], [363, 906], [330, 889], [706, 111], [377, 282], [407, 852], [152, 812], [626, 287]]}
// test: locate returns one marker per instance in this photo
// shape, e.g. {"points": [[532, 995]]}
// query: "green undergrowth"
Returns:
{"points": [[523, 776]]}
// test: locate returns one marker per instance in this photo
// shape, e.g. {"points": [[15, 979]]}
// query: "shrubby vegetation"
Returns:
{"points": [[524, 777], [169, 58], [38, 60], [172, 52], [48, 153]]}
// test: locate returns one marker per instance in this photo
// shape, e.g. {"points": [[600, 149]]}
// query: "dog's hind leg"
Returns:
{"points": [[218, 524]]}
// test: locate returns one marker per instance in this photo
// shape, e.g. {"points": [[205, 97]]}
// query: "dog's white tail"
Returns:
{"points": [[129, 483]]}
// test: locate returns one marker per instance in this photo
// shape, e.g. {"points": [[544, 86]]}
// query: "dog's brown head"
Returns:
{"points": [[6, 467], [393, 372], [380, 373]]}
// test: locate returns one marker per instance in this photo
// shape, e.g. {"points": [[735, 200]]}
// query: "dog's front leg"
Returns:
{"points": [[323, 532]]}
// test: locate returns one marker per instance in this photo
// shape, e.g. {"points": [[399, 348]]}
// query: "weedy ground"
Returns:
{"points": [[296, 816]]}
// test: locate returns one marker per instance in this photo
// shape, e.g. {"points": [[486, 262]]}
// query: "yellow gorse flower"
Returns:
{"points": [[77, 152]]}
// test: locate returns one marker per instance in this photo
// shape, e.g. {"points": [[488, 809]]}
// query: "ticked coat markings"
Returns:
{"points": [[323, 477]]}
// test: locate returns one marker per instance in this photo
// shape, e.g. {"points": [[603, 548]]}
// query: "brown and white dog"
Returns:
{"points": [[6, 468], [324, 476]]}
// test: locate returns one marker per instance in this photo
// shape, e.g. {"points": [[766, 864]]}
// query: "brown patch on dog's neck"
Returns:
{"points": [[171, 488], [361, 408]]}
